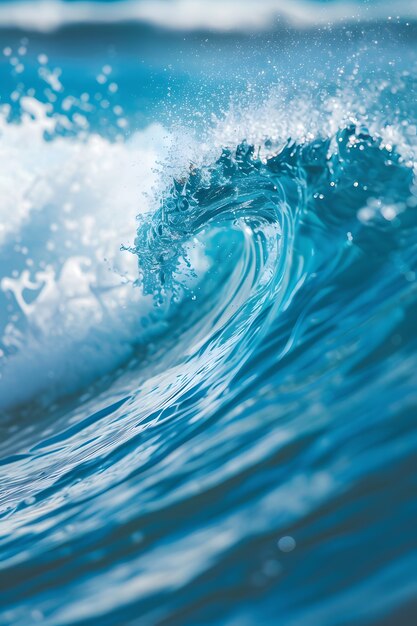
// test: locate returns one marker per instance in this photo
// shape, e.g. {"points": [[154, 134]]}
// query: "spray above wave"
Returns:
{"points": [[188, 15]]}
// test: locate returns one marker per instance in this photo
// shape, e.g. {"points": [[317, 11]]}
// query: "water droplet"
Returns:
{"points": [[286, 544]]}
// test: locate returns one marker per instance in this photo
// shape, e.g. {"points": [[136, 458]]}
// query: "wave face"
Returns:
{"points": [[208, 355]]}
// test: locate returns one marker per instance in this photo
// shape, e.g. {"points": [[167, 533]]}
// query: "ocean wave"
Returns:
{"points": [[284, 203], [208, 339], [72, 308], [188, 15]]}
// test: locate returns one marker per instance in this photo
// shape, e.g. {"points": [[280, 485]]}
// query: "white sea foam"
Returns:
{"points": [[215, 15], [69, 312]]}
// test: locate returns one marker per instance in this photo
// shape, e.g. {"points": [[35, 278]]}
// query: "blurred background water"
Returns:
{"points": [[208, 312]]}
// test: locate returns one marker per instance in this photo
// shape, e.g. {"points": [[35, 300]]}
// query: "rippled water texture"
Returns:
{"points": [[208, 326]]}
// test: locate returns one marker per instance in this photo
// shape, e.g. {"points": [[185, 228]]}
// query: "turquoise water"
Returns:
{"points": [[208, 305]]}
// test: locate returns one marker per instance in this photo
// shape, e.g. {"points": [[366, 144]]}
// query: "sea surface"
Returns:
{"points": [[208, 313]]}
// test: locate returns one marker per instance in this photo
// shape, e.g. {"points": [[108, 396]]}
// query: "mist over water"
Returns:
{"points": [[208, 304]]}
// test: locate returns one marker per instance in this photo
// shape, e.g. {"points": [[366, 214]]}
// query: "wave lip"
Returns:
{"points": [[187, 15]]}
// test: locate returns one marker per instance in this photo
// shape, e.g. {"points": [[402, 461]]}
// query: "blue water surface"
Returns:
{"points": [[208, 322]]}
